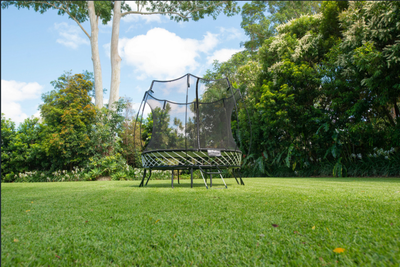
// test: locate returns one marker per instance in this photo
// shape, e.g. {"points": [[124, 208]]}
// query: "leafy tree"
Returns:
{"points": [[20, 148], [7, 137], [68, 114], [255, 25]]}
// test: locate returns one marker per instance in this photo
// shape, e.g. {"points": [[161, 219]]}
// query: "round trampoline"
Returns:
{"points": [[191, 127]]}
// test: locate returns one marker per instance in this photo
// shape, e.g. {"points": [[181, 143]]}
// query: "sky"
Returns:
{"points": [[38, 48]]}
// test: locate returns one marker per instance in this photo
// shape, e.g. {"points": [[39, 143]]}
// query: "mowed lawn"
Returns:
{"points": [[269, 221]]}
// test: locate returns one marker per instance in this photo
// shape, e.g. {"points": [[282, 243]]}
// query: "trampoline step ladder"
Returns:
{"points": [[211, 173]]}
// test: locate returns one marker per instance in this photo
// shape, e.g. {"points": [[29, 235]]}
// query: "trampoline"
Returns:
{"points": [[191, 128]]}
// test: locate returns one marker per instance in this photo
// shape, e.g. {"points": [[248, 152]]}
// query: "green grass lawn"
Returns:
{"points": [[269, 221]]}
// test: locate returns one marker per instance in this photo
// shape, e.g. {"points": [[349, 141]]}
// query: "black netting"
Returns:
{"points": [[190, 113]]}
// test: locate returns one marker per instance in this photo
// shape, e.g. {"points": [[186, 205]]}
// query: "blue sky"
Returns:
{"points": [[37, 48]]}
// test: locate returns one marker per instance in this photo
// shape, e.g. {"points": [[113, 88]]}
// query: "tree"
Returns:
{"points": [[8, 134], [260, 27], [68, 114], [80, 11], [255, 25], [21, 149]]}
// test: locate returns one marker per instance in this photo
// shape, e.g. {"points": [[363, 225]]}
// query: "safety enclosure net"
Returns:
{"points": [[191, 114]]}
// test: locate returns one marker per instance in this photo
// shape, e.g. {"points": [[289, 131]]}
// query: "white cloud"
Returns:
{"points": [[222, 55], [231, 33], [71, 35], [13, 111], [13, 92], [163, 54]]}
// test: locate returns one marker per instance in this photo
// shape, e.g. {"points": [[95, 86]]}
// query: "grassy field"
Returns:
{"points": [[269, 221]]}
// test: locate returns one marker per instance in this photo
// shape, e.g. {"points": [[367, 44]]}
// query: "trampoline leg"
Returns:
{"points": [[205, 183], [178, 177], [149, 177], [144, 175], [241, 178], [210, 180], [234, 175], [172, 179], [191, 177]]}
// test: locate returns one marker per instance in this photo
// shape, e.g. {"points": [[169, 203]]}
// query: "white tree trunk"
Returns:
{"points": [[94, 42], [115, 58]]}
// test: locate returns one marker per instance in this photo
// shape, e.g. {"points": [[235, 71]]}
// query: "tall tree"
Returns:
{"points": [[80, 11]]}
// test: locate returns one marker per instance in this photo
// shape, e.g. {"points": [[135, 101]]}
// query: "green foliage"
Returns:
{"points": [[71, 132], [255, 25], [147, 129], [324, 87], [68, 115], [20, 148], [260, 27], [107, 127]]}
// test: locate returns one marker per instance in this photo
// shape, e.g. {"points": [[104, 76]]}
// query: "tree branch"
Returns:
{"points": [[184, 16], [153, 13], [396, 109], [66, 10], [388, 116], [202, 8]]}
